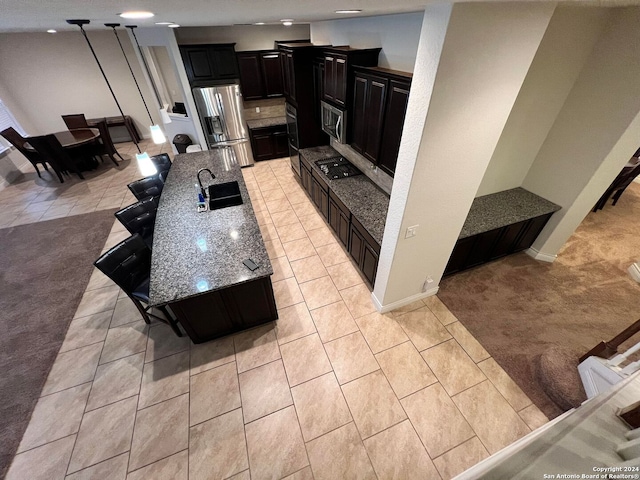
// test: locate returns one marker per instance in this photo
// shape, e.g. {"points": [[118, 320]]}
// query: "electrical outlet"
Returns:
{"points": [[257, 109], [411, 231]]}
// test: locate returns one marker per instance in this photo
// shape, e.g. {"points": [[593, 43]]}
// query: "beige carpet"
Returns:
{"points": [[519, 308]]}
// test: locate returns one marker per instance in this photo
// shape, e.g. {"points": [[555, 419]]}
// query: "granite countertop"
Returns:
{"points": [[504, 208], [367, 202], [266, 122], [195, 253]]}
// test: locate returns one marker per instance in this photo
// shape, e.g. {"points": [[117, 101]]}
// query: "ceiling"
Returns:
{"points": [[39, 15]]}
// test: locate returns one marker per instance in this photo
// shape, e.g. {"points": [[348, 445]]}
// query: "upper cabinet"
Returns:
{"points": [[261, 74], [209, 64], [338, 71], [380, 99]]}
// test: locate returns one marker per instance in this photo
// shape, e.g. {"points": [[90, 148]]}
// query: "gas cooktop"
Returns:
{"points": [[337, 167]]}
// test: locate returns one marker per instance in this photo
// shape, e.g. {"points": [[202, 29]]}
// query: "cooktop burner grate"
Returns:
{"points": [[337, 167]]}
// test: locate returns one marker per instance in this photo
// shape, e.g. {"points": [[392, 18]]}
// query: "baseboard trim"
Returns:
{"points": [[538, 255], [401, 303], [634, 271]]}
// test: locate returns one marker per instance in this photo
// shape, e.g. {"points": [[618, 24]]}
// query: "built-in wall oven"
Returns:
{"points": [[292, 133]]}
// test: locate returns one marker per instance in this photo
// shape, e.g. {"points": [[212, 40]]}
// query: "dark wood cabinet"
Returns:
{"points": [[301, 87], [209, 64], [305, 177], [396, 108], [484, 247], [269, 142], [338, 72], [320, 194], [379, 105], [272, 70], [260, 74], [364, 250], [251, 78], [339, 218]]}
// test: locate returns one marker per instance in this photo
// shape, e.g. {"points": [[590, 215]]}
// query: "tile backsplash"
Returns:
{"points": [[377, 176], [272, 107]]}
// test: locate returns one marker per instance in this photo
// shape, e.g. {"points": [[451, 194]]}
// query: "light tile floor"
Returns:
{"points": [[332, 390]]}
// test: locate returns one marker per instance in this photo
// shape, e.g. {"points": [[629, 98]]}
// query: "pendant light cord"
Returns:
{"points": [[115, 32], [106, 80]]}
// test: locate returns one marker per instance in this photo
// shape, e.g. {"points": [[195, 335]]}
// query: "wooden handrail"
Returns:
{"points": [[610, 348]]}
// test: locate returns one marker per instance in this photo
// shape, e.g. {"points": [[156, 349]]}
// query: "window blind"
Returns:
{"points": [[7, 120]]}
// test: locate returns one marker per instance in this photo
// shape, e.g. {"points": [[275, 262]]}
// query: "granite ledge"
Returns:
{"points": [[367, 202], [266, 122], [504, 208]]}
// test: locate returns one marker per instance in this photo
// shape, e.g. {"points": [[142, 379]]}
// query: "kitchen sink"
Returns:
{"points": [[222, 195]]}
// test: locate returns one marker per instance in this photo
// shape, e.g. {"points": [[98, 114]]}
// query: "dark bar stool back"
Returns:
{"points": [[147, 187], [128, 264], [162, 162], [140, 218]]}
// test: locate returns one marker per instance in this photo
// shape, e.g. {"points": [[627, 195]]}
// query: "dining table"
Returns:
{"points": [[73, 138]]}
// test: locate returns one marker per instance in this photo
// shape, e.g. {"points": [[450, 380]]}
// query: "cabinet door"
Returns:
{"points": [[198, 64], [281, 143], [251, 76], [286, 77], [340, 80], [530, 233], [292, 75], [459, 256], [482, 248], [324, 203], [356, 245], [361, 86], [263, 147], [224, 59], [305, 178], [374, 118], [329, 78], [272, 69], [318, 91], [507, 239], [396, 109], [343, 228], [334, 216], [369, 264]]}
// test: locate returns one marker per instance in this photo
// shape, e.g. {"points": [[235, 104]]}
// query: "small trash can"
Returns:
{"points": [[182, 141]]}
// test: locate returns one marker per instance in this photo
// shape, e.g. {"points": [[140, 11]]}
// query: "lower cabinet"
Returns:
{"points": [[364, 250], [320, 195], [269, 142], [484, 247], [355, 238], [339, 218]]}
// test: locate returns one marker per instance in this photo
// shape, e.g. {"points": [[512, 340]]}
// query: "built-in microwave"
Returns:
{"points": [[334, 122]]}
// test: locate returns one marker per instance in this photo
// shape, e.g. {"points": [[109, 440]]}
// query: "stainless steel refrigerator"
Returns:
{"points": [[222, 119]]}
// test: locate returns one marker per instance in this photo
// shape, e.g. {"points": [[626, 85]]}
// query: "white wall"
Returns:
{"points": [[398, 36], [52, 75], [595, 133], [246, 37], [486, 54], [572, 34]]}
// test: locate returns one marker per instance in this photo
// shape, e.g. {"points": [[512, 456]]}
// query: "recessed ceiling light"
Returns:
{"points": [[138, 14], [259, 23], [164, 23], [52, 31], [287, 24], [173, 25], [287, 20], [348, 11]]}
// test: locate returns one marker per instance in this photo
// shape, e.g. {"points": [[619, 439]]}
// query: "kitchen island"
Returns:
{"points": [[197, 260]]}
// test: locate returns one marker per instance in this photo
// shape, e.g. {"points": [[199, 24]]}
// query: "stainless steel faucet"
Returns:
{"points": [[202, 190]]}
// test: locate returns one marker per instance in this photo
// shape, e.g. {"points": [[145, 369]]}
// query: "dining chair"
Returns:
{"points": [[128, 264], [34, 157], [147, 187], [140, 218], [75, 121], [50, 148], [162, 162], [623, 184], [106, 146]]}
